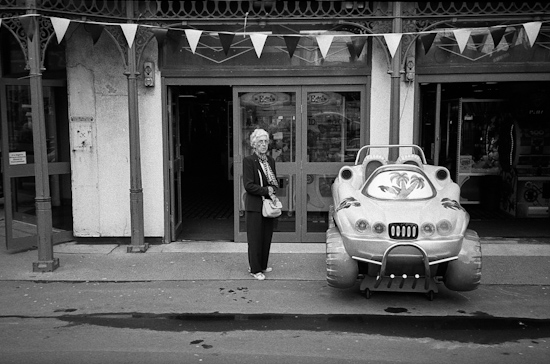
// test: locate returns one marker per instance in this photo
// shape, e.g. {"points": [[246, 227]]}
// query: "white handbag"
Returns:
{"points": [[271, 207]]}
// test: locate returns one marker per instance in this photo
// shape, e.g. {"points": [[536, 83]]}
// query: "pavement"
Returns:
{"points": [[195, 278]]}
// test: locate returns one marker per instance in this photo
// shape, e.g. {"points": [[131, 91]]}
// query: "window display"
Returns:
{"points": [[333, 130]]}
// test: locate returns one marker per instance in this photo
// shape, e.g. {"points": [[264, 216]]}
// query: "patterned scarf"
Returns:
{"points": [[271, 179]]}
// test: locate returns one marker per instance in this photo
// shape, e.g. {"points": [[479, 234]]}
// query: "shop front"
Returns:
{"points": [[21, 144], [487, 121], [314, 107], [160, 109], [314, 130]]}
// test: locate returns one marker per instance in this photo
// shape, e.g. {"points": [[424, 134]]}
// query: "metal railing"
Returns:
{"points": [[227, 11]]}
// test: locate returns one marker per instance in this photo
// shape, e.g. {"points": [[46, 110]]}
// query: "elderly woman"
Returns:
{"points": [[259, 229]]}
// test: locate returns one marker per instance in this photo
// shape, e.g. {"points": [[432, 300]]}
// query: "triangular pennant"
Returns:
{"points": [[291, 42], [427, 41], [462, 36], [258, 41], [28, 23], [509, 37], [392, 41], [95, 30], [60, 26], [521, 37], [193, 37], [324, 42], [351, 50], [129, 31], [497, 33], [487, 46], [160, 35], [532, 29], [503, 45], [358, 45], [478, 40], [226, 39]]}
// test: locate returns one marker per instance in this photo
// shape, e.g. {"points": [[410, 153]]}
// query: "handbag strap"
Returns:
{"points": [[261, 182]]}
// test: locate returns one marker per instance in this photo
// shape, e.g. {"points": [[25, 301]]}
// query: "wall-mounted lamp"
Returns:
{"points": [[149, 74], [409, 69]]}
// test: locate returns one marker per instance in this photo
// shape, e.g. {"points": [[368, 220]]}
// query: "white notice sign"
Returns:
{"points": [[18, 158]]}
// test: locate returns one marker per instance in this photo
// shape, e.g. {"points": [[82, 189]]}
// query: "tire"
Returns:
{"points": [[342, 270], [464, 274]]}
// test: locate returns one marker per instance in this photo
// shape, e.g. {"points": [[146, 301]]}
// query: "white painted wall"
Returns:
{"points": [[380, 106], [380, 97], [98, 88], [406, 113]]}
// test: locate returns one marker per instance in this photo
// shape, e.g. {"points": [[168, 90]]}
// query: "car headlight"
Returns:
{"points": [[428, 229], [362, 226], [379, 228], [444, 227]]}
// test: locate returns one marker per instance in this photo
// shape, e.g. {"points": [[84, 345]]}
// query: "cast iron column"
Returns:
{"points": [[395, 72], [136, 190], [46, 262]]}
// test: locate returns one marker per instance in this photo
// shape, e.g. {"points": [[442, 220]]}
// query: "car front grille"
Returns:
{"points": [[403, 231]]}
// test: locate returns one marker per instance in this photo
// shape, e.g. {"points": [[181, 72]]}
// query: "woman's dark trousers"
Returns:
{"points": [[259, 231]]}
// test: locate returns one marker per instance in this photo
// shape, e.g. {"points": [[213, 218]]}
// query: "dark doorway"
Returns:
{"points": [[205, 124], [504, 151]]}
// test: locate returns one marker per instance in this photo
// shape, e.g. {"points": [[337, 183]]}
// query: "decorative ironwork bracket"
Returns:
{"points": [[46, 32], [142, 39]]}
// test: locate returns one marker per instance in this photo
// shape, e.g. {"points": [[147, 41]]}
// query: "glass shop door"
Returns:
{"points": [[332, 137], [176, 163], [277, 110], [20, 229], [314, 131]]}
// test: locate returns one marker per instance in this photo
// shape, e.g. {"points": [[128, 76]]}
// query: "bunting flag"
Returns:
{"points": [[509, 38], [532, 29], [497, 33], [392, 41], [521, 36], [357, 43], [226, 39], [160, 35], [258, 41], [291, 42], [479, 41], [129, 31], [427, 41], [502, 36], [28, 24], [193, 37], [60, 27], [95, 30], [324, 42], [462, 36]]}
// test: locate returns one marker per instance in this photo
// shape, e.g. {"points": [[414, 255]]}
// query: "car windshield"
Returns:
{"points": [[399, 185]]}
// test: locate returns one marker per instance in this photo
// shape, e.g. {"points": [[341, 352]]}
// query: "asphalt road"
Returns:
{"points": [[271, 339], [191, 307]]}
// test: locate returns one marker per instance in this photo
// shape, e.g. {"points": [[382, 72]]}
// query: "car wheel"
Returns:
{"points": [[464, 274], [342, 270]]}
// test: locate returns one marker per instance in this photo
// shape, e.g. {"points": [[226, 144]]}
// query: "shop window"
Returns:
{"points": [[334, 126], [512, 52], [209, 52]]}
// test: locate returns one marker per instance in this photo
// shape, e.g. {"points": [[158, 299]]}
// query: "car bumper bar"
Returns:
{"points": [[390, 282]]}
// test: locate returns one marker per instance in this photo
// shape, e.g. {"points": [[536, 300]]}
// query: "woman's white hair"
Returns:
{"points": [[256, 134]]}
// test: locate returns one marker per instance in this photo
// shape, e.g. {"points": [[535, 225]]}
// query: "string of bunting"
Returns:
{"points": [[324, 39]]}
